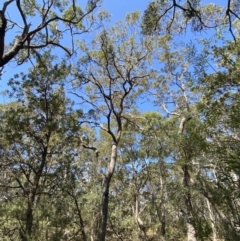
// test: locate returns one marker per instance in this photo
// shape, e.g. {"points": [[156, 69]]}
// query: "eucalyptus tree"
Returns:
{"points": [[146, 154], [148, 188], [113, 73], [158, 149], [33, 25], [39, 136], [174, 178], [173, 94], [130, 209], [219, 107]]}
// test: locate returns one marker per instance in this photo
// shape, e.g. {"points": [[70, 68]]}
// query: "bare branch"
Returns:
{"points": [[26, 26], [169, 112], [23, 42], [191, 12], [6, 4]]}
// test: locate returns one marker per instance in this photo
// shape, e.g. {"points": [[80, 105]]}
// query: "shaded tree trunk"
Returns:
{"points": [[191, 232], [29, 216], [32, 195], [105, 194], [81, 224]]}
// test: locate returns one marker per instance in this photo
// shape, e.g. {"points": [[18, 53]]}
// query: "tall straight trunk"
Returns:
{"points": [[139, 220], [162, 201], [29, 216], [105, 194], [81, 224], [27, 235], [191, 232], [211, 215]]}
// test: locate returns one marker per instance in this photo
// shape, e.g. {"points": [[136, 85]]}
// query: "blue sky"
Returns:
{"points": [[117, 9]]}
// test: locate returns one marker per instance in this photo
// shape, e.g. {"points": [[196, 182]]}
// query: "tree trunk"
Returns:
{"points": [[211, 215], [81, 224], [191, 232], [32, 198], [162, 204], [29, 216], [139, 220], [105, 194]]}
